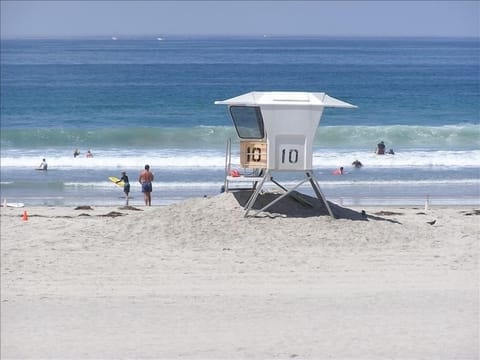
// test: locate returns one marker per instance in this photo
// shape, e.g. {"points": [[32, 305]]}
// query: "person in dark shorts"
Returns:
{"points": [[126, 185], [145, 179]]}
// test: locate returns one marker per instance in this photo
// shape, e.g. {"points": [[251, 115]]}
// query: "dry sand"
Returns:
{"points": [[197, 280]]}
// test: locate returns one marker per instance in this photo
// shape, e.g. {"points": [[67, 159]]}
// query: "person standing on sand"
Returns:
{"points": [[145, 179], [126, 186]]}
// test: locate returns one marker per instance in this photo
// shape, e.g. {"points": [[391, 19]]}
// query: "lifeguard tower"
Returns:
{"points": [[276, 131]]}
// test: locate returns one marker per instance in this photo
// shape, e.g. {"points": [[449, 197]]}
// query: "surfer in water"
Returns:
{"points": [[380, 150], [126, 185], [338, 171], [357, 164], [146, 178], [43, 165]]}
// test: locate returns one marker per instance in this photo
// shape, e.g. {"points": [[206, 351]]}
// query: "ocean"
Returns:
{"points": [[137, 101]]}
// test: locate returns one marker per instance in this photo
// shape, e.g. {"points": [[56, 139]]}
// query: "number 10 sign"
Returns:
{"points": [[290, 157], [253, 154]]}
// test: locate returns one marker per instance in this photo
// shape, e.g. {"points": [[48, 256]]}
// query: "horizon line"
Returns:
{"points": [[114, 37]]}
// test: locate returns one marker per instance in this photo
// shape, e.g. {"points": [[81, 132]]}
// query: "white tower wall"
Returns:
{"points": [[289, 133]]}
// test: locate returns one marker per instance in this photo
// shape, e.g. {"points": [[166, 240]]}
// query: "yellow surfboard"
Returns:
{"points": [[115, 179]]}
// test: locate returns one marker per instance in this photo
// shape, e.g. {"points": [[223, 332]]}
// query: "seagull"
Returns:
{"points": [[431, 222]]}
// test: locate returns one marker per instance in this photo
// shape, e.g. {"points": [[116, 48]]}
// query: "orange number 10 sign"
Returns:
{"points": [[253, 154]]}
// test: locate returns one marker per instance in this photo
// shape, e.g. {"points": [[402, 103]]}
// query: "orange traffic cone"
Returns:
{"points": [[25, 216]]}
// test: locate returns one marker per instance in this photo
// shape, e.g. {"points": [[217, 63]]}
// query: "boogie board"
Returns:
{"points": [[14, 205], [115, 179]]}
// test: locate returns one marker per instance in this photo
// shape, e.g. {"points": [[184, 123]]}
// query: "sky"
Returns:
{"points": [[62, 18]]}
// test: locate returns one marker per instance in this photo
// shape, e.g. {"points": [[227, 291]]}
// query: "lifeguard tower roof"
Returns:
{"points": [[289, 98]]}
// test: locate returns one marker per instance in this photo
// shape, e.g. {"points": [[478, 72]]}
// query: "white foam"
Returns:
{"points": [[216, 159], [289, 183]]}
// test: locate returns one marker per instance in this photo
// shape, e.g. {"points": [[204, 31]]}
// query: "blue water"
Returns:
{"points": [[137, 101]]}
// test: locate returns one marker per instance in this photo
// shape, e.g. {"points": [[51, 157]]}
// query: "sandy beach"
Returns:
{"points": [[197, 280]]}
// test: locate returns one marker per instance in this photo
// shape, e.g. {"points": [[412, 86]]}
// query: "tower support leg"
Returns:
{"points": [[318, 192], [253, 197]]}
